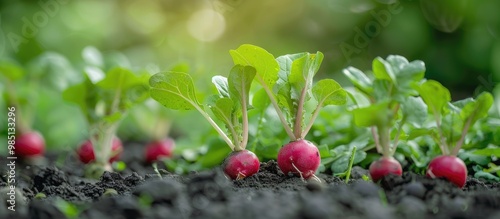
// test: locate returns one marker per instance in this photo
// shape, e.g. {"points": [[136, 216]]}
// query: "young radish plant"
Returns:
{"points": [[288, 82], [393, 103], [24, 141], [453, 121], [105, 100], [175, 90]]}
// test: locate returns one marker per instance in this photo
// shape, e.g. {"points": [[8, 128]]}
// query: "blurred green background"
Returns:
{"points": [[459, 40]]}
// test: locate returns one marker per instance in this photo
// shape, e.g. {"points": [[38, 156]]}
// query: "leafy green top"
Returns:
{"points": [[393, 98], [453, 119], [288, 82], [175, 90]]}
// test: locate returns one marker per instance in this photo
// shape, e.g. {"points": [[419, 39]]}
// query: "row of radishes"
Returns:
{"points": [[32, 144], [397, 91], [398, 95]]}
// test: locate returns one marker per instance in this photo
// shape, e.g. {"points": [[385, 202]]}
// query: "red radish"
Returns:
{"points": [[449, 167], [240, 164], [159, 149], [86, 151], [299, 157], [383, 167], [29, 144]]}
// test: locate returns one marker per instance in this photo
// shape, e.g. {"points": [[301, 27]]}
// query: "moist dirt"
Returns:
{"points": [[140, 192]]}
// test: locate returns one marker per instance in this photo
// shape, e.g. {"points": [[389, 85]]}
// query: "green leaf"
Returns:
{"points": [[341, 164], [221, 84], [418, 132], [383, 70], [239, 81], [264, 63], [11, 70], [324, 151], [373, 115], [53, 70], [302, 73], [84, 95], [286, 63], [477, 109], [174, 90], [260, 100], [435, 95], [329, 92], [119, 78], [382, 90], [222, 108], [359, 79], [488, 152], [452, 126], [414, 111]]}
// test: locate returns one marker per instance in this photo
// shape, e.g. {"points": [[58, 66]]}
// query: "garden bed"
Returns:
{"points": [[141, 193]]}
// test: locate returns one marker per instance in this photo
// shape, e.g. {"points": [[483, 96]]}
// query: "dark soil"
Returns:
{"points": [[140, 193]]}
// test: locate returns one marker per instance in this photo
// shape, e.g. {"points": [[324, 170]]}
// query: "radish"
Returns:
{"points": [[86, 151], [459, 115], [240, 164], [299, 157], [29, 144], [105, 97], [175, 90], [449, 167], [393, 104], [159, 149], [383, 167], [288, 82]]}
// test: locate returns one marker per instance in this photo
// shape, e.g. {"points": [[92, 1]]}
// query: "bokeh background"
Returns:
{"points": [[459, 40]]}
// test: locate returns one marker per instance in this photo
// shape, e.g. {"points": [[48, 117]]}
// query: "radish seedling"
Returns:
{"points": [[288, 82], [175, 90], [23, 141], [104, 100], [393, 102], [453, 121]]}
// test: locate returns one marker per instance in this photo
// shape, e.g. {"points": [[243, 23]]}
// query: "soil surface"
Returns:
{"points": [[139, 192]]}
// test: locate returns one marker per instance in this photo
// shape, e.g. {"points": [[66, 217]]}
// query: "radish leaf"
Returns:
{"points": [[329, 92], [359, 79], [435, 95], [264, 63], [174, 90]]}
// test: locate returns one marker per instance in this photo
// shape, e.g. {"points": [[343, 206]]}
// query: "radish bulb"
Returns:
{"points": [[240, 164], [29, 144], [300, 158], [383, 167], [449, 167]]}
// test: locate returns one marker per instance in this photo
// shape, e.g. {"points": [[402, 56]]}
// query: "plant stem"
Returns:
{"points": [[311, 120], [244, 114], [297, 126], [351, 161], [396, 139], [376, 139], [443, 145], [215, 126], [103, 142], [277, 108], [383, 133], [457, 147]]}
